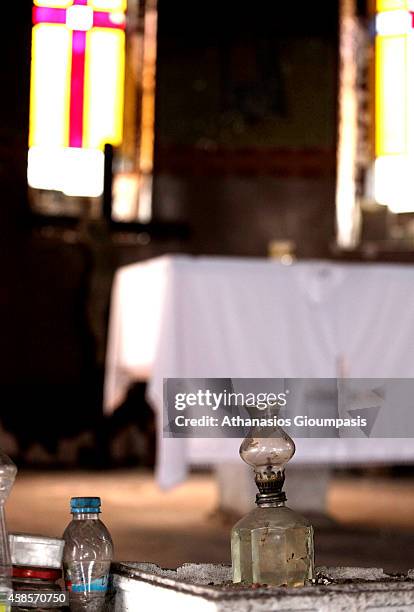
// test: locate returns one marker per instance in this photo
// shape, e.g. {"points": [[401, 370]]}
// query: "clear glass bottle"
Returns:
{"points": [[87, 556], [8, 473], [272, 544]]}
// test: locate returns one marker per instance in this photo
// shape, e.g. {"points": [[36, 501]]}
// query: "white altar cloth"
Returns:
{"points": [[202, 317]]}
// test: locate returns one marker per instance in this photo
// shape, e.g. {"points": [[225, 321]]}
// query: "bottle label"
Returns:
{"points": [[98, 585]]}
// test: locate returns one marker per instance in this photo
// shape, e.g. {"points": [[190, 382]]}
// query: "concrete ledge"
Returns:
{"points": [[207, 588]]}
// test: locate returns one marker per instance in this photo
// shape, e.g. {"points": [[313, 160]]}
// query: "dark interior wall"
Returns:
{"points": [[240, 215], [246, 110], [48, 371], [239, 74]]}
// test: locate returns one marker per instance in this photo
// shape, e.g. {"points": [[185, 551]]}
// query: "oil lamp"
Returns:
{"points": [[272, 544]]}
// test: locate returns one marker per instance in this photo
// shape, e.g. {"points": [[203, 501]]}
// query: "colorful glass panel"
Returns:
{"points": [[77, 87], [392, 5], [50, 78], [104, 99], [391, 95], [108, 5], [53, 3]]}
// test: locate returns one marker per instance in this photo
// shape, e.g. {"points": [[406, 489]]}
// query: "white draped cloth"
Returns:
{"points": [[205, 317]]}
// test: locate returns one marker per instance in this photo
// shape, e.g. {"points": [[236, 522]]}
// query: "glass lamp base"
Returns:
{"points": [[273, 546]]}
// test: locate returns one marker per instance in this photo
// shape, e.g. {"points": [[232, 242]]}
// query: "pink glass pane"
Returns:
{"points": [[107, 20], [43, 14], [77, 89]]}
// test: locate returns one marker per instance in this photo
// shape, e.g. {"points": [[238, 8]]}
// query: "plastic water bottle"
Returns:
{"points": [[8, 473], [87, 556]]}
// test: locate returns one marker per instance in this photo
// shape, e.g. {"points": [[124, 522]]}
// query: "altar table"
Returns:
{"points": [[207, 317]]}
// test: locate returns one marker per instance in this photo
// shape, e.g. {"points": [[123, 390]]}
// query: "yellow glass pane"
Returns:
{"points": [[50, 85], [391, 95], [53, 3], [392, 5], [104, 87], [109, 5]]}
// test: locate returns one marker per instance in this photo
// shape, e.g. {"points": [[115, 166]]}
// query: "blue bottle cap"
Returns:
{"points": [[85, 505]]}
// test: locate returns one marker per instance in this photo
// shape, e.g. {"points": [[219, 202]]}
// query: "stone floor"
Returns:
{"points": [[372, 519]]}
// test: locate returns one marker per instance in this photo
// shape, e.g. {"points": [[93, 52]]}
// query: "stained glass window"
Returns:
{"points": [[394, 97], [77, 92]]}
